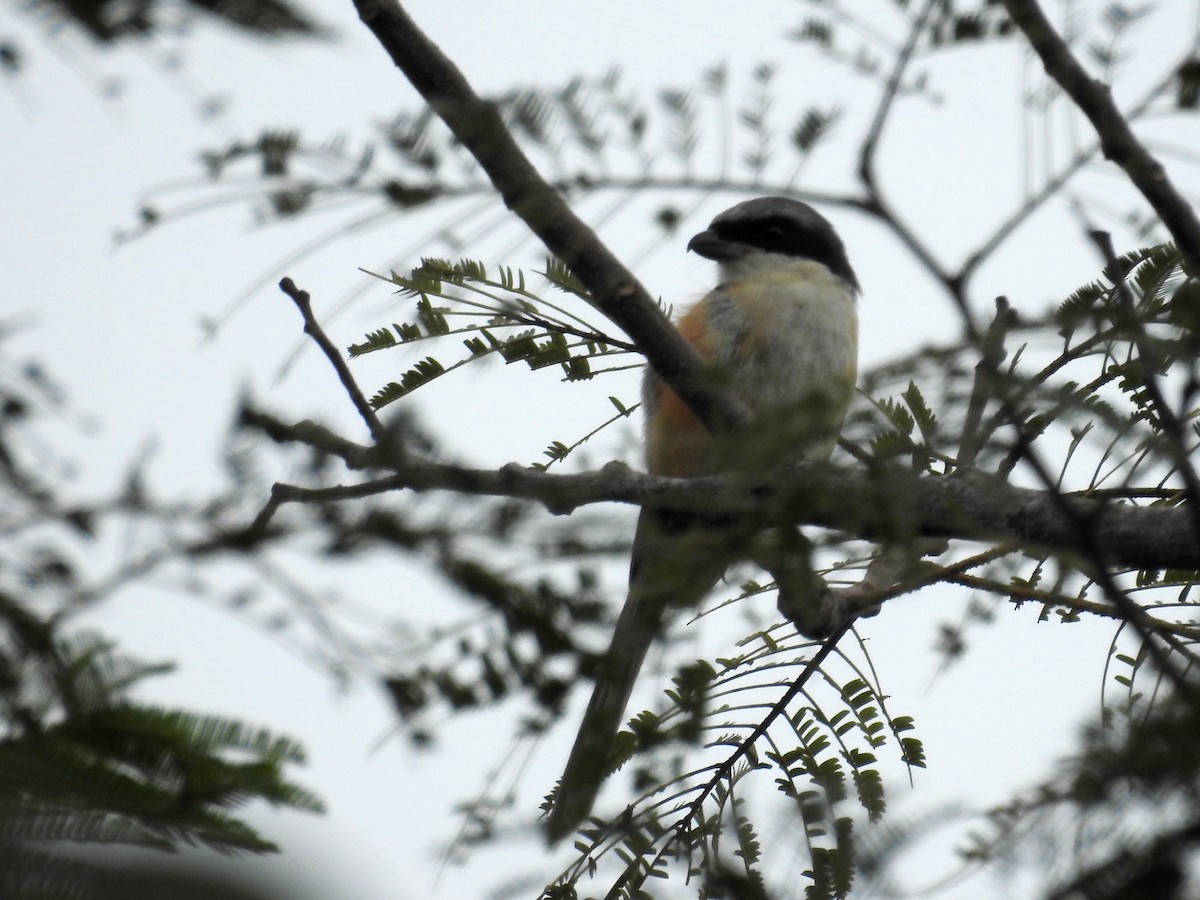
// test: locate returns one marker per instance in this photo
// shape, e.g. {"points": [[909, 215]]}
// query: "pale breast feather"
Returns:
{"points": [[794, 339]]}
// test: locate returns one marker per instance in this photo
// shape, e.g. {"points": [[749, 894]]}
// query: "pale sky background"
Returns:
{"points": [[119, 330]]}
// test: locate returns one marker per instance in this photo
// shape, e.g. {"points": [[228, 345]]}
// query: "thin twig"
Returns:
{"points": [[991, 355], [725, 769], [1052, 186], [1075, 604], [313, 329], [870, 145], [875, 203]]}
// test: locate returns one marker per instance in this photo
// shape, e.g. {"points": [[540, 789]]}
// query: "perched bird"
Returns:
{"points": [[781, 330]]}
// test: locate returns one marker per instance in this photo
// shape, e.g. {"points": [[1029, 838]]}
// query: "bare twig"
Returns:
{"points": [[313, 329], [1006, 228], [1052, 186], [875, 203], [870, 145]]}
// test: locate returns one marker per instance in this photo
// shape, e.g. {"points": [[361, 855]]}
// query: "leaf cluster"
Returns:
{"points": [[1133, 788], [81, 760], [501, 317], [1084, 376], [778, 711], [109, 23]]}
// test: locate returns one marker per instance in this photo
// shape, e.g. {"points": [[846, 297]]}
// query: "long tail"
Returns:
{"points": [[673, 565], [591, 757]]}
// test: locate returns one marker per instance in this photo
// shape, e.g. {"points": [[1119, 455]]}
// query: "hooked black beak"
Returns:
{"points": [[711, 246]]}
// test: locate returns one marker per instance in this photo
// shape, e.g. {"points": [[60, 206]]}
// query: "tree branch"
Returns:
{"points": [[870, 145], [314, 330], [1021, 593], [883, 504], [1052, 186], [615, 291], [875, 203], [1117, 140]]}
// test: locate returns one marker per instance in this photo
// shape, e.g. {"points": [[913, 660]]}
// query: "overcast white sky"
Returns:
{"points": [[119, 329]]}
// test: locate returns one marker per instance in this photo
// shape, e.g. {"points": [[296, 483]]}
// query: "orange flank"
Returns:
{"points": [[677, 443]]}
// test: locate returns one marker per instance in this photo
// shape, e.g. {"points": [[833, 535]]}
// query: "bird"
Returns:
{"points": [[780, 329]]}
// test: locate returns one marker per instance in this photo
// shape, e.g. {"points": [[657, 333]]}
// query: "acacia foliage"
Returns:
{"points": [[1091, 397]]}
